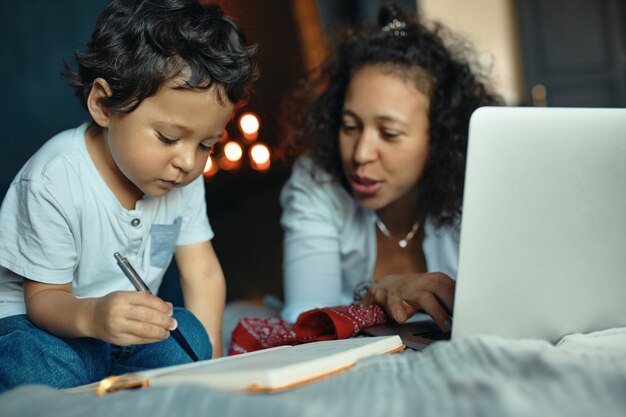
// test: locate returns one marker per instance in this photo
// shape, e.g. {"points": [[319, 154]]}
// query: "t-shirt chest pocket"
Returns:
{"points": [[163, 242]]}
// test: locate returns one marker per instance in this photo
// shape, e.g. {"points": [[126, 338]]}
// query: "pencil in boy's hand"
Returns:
{"points": [[141, 286], [131, 274]]}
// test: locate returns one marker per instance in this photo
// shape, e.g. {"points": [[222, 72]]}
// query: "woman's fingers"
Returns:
{"points": [[393, 302], [431, 306], [443, 296], [398, 308], [403, 295], [443, 287]]}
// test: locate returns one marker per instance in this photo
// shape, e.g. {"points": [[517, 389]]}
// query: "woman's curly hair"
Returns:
{"points": [[137, 45], [408, 48]]}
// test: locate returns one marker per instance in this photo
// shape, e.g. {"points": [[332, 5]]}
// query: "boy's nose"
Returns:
{"points": [[185, 160]]}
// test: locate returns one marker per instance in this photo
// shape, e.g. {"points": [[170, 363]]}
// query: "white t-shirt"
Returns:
{"points": [[330, 242], [61, 223]]}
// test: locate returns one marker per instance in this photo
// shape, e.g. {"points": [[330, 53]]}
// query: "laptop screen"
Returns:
{"points": [[543, 235]]}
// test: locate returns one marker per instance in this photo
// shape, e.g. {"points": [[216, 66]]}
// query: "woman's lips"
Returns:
{"points": [[365, 187]]}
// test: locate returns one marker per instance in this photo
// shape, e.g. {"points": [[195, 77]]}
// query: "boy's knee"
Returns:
{"points": [[194, 332], [29, 355]]}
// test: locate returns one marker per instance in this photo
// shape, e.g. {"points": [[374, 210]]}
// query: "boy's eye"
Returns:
{"points": [[165, 139], [207, 147]]}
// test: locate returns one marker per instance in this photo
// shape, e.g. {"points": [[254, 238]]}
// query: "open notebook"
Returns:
{"points": [[268, 370]]}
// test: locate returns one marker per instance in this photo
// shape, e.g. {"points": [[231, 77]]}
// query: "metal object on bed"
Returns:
{"points": [[415, 335]]}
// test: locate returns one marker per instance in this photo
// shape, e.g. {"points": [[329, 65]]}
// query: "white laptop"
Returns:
{"points": [[543, 236]]}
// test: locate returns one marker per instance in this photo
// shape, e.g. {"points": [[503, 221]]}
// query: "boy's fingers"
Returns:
{"points": [[131, 338], [151, 301], [146, 315], [147, 331]]}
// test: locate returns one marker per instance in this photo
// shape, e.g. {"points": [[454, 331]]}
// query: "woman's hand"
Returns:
{"points": [[403, 295], [127, 318]]}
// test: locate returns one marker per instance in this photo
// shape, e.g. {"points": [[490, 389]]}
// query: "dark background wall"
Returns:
{"points": [[35, 37], [336, 13], [574, 52]]}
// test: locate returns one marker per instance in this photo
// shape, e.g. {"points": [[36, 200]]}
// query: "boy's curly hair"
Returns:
{"points": [[137, 45], [411, 50]]}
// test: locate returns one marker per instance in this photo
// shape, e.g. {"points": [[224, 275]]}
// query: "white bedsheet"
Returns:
{"points": [[583, 375]]}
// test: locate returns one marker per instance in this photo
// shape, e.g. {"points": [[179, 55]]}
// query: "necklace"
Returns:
{"points": [[403, 243]]}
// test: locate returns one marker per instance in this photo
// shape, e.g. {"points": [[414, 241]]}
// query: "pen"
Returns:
{"points": [[139, 285]]}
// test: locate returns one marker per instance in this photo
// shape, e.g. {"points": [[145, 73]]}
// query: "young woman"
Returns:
{"points": [[371, 212]]}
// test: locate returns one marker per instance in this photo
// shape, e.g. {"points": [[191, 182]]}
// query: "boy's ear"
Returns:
{"points": [[100, 89]]}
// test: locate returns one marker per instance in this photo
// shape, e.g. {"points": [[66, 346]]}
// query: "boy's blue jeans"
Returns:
{"points": [[29, 355]]}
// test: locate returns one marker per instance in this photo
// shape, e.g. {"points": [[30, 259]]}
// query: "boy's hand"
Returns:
{"points": [[122, 318], [126, 318]]}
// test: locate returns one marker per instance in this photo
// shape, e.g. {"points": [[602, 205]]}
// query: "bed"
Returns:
{"points": [[582, 375]]}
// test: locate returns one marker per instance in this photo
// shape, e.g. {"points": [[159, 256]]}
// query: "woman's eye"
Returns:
{"points": [[347, 127], [389, 134], [165, 139]]}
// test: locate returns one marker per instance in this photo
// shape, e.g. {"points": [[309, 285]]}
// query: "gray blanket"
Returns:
{"points": [[583, 375]]}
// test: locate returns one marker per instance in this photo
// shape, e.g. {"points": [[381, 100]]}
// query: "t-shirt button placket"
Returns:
{"points": [[135, 235]]}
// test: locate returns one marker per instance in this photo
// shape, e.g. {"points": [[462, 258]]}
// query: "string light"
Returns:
{"points": [[260, 157], [233, 151], [210, 168], [249, 125]]}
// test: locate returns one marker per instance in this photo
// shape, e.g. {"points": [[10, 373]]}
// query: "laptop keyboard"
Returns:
{"points": [[433, 335]]}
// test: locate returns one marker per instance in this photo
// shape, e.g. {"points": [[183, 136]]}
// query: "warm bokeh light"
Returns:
{"points": [[260, 157], [260, 153], [210, 168], [249, 124], [233, 151], [241, 150]]}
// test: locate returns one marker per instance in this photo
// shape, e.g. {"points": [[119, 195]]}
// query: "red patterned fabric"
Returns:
{"points": [[327, 323]]}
